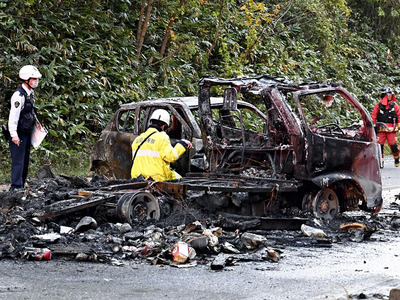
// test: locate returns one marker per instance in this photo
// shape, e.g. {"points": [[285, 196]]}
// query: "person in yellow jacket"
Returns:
{"points": [[152, 151]]}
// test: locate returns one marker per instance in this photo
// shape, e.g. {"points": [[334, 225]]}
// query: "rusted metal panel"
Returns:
{"points": [[69, 206], [178, 190], [236, 184], [127, 186], [312, 156]]}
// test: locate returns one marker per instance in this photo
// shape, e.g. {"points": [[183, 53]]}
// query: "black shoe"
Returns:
{"points": [[396, 162]]}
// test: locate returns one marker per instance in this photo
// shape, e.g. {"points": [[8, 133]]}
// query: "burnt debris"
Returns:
{"points": [[78, 219]]}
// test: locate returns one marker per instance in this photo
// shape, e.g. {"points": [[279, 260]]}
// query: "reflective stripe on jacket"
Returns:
{"points": [[155, 155]]}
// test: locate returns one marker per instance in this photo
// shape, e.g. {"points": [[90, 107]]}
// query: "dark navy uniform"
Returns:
{"points": [[21, 121]]}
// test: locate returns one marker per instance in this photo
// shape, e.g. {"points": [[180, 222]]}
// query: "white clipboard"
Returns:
{"points": [[38, 135]]}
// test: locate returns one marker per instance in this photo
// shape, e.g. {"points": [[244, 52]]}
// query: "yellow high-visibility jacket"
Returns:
{"points": [[155, 155]]}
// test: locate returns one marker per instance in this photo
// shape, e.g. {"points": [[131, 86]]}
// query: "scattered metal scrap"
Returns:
{"points": [[57, 218], [77, 203], [138, 200]]}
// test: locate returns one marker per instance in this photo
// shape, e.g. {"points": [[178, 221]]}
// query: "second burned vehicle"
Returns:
{"points": [[310, 146]]}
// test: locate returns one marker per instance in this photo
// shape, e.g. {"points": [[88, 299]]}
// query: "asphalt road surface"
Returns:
{"points": [[369, 269]]}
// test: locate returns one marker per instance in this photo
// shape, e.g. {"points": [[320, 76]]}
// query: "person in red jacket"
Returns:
{"points": [[386, 117]]}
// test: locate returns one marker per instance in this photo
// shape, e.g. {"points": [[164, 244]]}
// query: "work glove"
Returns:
{"points": [[186, 144]]}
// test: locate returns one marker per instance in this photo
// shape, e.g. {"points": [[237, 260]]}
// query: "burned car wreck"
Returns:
{"points": [[261, 144]]}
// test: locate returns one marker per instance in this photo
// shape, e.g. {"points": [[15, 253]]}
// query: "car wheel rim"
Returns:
{"points": [[325, 204], [138, 206]]}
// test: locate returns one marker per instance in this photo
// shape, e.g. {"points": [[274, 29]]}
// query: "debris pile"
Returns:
{"points": [[31, 231], [183, 238]]}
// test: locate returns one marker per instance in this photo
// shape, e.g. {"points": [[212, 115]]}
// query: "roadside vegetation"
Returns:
{"points": [[95, 55]]}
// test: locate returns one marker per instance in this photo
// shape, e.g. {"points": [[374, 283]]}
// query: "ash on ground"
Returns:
{"points": [[184, 236]]}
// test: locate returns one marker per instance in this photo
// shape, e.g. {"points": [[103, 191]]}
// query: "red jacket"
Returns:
{"points": [[386, 103]]}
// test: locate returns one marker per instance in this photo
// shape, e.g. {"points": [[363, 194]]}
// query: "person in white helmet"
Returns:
{"points": [[21, 122], [152, 151], [388, 112]]}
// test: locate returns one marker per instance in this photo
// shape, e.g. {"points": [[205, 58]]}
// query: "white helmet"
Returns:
{"points": [[161, 115], [29, 71], [387, 90]]}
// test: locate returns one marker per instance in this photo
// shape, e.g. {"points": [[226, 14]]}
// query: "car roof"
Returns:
{"points": [[191, 102]]}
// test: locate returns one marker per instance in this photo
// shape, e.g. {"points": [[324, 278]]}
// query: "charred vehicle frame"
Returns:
{"points": [[310, 146]]}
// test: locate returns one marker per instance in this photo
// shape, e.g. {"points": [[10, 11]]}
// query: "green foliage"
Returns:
{"points": [[87, 52], [382, 16], [64, 162]]}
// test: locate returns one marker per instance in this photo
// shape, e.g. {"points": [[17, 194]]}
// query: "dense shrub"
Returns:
{"points": [[95, 55]]}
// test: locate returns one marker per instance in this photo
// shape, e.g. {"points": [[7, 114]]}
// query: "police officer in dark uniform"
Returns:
{"points": [[21, 122]]}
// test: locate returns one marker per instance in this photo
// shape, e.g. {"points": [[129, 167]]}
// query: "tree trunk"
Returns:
{"points": [[169, 29], [142, 26], [167, 34]]}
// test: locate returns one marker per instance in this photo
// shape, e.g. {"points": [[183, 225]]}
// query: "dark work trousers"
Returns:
{"points": [[20, 160]]}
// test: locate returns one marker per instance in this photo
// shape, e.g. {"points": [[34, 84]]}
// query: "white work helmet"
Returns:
{"points": [[161, 115], [387, 90], [29, 71]]}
